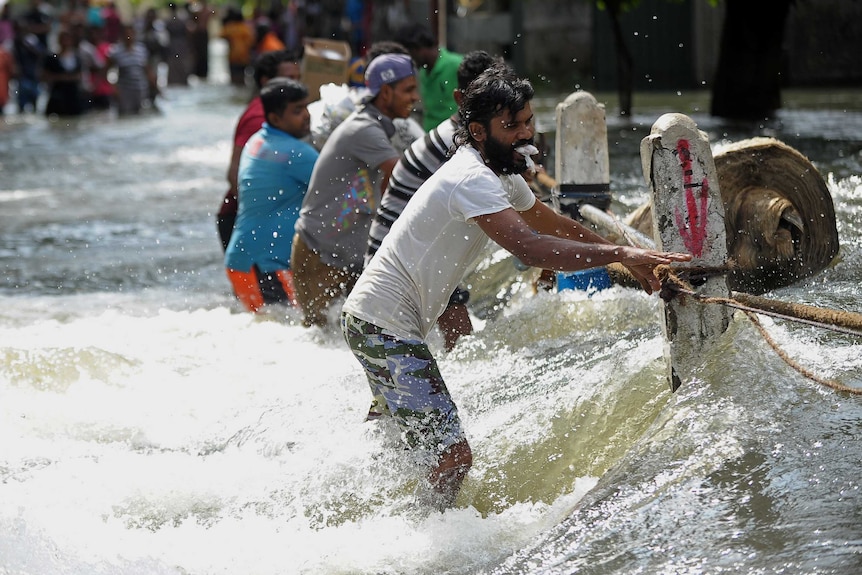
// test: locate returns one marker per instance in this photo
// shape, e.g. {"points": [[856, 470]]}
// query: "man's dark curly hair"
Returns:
{"points": [[496, 89]]}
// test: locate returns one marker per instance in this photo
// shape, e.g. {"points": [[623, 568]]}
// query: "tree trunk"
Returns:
{"points": [[748, 78], [625, 65]]}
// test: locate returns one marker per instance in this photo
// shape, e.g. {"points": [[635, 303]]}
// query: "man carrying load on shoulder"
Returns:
{"points": [[474, 196]]}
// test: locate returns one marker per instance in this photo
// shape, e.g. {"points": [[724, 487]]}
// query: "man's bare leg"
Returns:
{"points": [[452, 467]]}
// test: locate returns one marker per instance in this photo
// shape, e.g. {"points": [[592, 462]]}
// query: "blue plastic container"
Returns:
{"points": [[591, 280]]}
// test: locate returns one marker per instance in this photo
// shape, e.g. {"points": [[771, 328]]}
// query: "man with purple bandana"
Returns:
{"points": [[345, 189]]}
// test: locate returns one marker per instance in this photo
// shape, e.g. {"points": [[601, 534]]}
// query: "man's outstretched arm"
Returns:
{"points": [[560, 243]]}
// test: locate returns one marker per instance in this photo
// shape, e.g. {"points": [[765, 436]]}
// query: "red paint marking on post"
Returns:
{"points": [[692, 229]]}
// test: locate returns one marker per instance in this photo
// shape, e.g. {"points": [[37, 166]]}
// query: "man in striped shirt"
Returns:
{"points": [[415, 166], [135, 78]]}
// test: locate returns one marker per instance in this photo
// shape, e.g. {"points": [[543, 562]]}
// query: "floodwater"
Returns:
{"points": [[149, 426]]}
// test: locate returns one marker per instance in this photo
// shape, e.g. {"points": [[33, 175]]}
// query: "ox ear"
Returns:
{"points": [[768, 228], [791, 222], [768, 239]]}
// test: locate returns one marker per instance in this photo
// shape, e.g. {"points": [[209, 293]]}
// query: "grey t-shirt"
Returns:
{"points": [[344, 191]]}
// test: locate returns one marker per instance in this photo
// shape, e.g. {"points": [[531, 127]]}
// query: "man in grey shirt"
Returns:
{"points": [[345, 189]]}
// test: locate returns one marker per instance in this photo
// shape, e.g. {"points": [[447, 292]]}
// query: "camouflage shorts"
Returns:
{"points": [[406, 384]]}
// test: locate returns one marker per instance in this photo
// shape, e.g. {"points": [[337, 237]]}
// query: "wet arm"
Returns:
{"points": [[573, 249], [546, 221]]}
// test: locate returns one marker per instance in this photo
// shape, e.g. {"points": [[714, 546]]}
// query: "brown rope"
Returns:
{"points": [[835, 320], [827, 382], [849, 320], [673, 273], [846, 322]]}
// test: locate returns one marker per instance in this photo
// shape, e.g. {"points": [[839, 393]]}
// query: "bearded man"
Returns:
{"points": [[478, 194]]}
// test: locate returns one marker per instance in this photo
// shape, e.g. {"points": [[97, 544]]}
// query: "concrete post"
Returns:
{"points": [[688, 216], [583, 172], [582, 168]]}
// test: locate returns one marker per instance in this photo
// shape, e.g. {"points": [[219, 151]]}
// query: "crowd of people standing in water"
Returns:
{"points": [[77, 56], [62, 47], [88, 56], [371, 225]]}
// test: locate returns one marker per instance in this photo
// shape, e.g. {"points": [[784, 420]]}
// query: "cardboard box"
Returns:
{"points": [[324, 61]]}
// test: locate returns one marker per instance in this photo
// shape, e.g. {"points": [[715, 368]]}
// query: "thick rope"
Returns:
{"points": [[835, 320], [845, 322], [827, 382], [850, 321]]}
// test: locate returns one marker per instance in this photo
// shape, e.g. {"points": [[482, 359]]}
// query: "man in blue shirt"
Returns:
{"points": [[274, 171]]}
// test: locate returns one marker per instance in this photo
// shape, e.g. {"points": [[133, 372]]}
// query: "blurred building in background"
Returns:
{"points": [[675, 45]]}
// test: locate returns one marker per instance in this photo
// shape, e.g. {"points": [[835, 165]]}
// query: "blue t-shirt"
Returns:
{"points": [[274, 171]]}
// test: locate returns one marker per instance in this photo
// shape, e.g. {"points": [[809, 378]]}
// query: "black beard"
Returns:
{"points": [[501, 158]]}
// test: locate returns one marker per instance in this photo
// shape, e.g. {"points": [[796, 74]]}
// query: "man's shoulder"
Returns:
{"points": [[359, 129], [357, 120], [302, 148], [467, 164], [436, 143], [446, 66], [445, 131], [251, 119], [371, 116], [450, 58]]}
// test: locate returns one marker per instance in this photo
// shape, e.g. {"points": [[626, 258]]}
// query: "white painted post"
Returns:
{"points": [[582, 171], [688, 216]]}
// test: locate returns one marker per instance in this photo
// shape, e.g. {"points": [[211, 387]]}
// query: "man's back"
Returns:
{"points": [[437, 84], [273, 177], [345, 188]]}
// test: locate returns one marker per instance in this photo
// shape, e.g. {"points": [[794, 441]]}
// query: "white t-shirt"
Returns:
{"points": [[407, 284]]}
